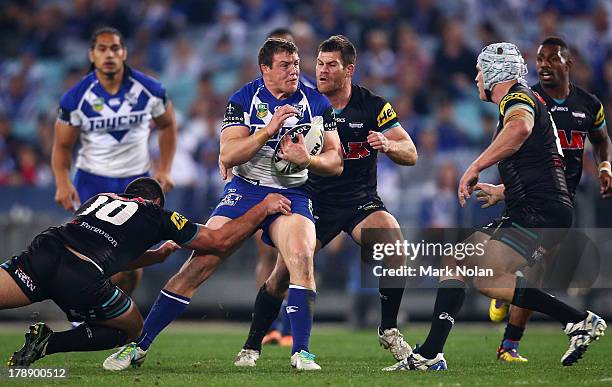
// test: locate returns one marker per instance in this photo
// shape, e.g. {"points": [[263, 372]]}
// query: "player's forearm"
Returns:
{"points": [[603, 150], [61, 161], [226, 238], [328, 163], [167, 147], [238, 151], [402, 152], [508, 142], [150, 257]]}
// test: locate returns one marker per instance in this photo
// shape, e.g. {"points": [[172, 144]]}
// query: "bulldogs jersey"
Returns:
{"points": [[576, 116], [535, 171], [114, 128], [252, 106], [364, 112], [113, 230]]}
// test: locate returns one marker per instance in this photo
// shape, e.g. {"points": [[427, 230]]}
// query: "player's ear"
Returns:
{"points": [[91, 58], [264, 68], [125, 53], [350, 70]]}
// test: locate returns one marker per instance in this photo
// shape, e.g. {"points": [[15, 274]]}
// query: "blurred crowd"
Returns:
{"points": [[419, 54]]}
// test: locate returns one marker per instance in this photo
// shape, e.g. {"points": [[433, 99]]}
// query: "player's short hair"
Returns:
{"points": [[278, 32], [340, 43], [146, 188], [273, 46], [106, 30], [557, 41]]}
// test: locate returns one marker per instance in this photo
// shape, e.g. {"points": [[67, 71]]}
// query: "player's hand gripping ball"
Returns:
{"points": [[313, 140]]}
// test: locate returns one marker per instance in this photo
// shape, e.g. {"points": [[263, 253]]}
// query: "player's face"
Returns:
{"points": [[552, 66], [331, 74], [284, 74], [108, 55], [480, 84]]}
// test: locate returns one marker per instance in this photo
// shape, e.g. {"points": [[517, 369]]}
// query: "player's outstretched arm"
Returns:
{"points": [[61, 159], [167, 146], [396, 144], [238, 146], [152, 257], [603, 155], [226, 238]]}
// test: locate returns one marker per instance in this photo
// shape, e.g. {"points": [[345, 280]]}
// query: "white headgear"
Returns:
{"points": [[500, 62]]}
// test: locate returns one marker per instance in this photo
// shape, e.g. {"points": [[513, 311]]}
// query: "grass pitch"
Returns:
{"points": [[202, 355]]}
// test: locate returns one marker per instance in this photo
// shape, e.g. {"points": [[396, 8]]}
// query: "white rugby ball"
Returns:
{"points": [[313, 139]]}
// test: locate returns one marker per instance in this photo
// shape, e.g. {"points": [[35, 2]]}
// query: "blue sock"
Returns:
{"points": [[284, 318], [166, 309], [300, 308]]}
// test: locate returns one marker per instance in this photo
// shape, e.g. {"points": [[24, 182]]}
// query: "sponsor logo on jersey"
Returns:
{"points": [[27, 281], [356, 150], [114, 102], [386, 114], [101, 232], [579, 114], [559, 109], [179, 220], [98, 104], [576, 140], [521, 97], [356, 125], [117, 122], [262, 110], [340, 119]]}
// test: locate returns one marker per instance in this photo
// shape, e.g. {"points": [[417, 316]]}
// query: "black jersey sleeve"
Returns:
{"points": [[234, 115], [386, 118], [597, 110], [515, 100], [176, 227], [329, 119]]}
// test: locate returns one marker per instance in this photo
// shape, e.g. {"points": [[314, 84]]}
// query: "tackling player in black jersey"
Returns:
{"points": [[367, 124], [538, 209], [72, 265], [577, 115]]}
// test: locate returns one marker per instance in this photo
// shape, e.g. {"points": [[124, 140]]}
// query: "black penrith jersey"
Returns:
{"points": [[113, 230], [535, 171], [576, 116], [364, 112]]}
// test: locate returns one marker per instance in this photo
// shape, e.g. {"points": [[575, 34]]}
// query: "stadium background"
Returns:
{"points": [[420, 54]]}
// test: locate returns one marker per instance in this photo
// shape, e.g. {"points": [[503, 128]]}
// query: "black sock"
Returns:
{"points": [[535, 299], [390, 300], [513, 332], [86, 338], [451, 294], [265, 312]]}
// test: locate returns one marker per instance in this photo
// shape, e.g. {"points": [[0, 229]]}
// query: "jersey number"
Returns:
{"points": [[104, 212], [577, 141], [356, 150]]}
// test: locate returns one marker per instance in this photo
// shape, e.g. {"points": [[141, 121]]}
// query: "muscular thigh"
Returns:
{"points": [[295, 238]]}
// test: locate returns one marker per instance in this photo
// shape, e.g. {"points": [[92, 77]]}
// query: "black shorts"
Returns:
{"points": [[330, 220], [47, 270], [532, 228]]}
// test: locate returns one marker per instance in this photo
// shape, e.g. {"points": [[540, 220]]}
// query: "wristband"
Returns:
{"points": [[605, 166]]}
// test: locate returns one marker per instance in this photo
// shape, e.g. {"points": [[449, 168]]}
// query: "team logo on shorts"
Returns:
{"points": [[178, 220], [98, 104], [230, 199], [262, 110], [310, 208]]}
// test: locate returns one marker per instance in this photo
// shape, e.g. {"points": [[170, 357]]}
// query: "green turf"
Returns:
{"points": [[203, 356]]}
